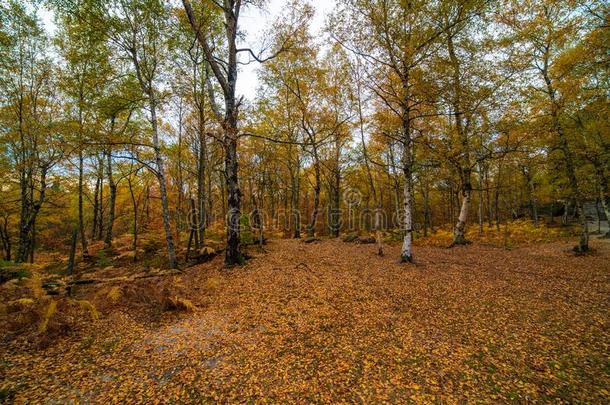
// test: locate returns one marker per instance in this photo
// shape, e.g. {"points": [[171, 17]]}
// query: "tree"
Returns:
{"points": [[137, 29], [548, 29], [223, 63], [31, 131], [86, 71], [394, 39]]}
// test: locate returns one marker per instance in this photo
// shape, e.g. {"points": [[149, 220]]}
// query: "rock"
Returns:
{"points": [[366, 240], [207, 251], [53, 287], [311, 239]]}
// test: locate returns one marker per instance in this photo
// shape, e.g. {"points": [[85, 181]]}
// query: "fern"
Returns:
{"points": [[212, 283], [21, 302], [88, 306], [48, 314], [182, 304], [114, 294]]}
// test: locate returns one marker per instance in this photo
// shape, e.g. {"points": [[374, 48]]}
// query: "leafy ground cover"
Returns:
{"points": [[333, 322]]}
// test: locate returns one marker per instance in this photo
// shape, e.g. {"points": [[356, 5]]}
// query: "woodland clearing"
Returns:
{"points": [[334, 322]]}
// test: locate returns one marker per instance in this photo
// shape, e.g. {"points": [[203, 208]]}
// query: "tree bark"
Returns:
{"points": [[6, 238], [466, 182], [604, 194], [311, 227], [70, 268], [227, 77], [112, 202], [81, 222], [406, 253], [171, 253], [134, 204]]}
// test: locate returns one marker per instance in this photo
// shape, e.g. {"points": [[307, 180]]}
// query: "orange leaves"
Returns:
{"points": [[472, 324]]}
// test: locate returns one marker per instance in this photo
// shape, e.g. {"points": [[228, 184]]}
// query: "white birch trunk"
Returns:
{"points": [[406, 254], [458, 232]]}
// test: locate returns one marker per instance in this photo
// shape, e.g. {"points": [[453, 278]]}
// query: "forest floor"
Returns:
{"points": [[334, 322]]}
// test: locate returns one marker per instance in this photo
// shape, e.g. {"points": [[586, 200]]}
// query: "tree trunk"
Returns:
{"points": [[426, 195], [171, 253], [604, 194], [96, 207], [70, 268], [111, 203], [335, 222], [201, 172], [6, 239], [134, 204], [311, 227], [233, 254], [100, 220], [295, 215], [378, 230], [406, 253], [30, 208], [81, 222], [459, 237], [466, 182]]}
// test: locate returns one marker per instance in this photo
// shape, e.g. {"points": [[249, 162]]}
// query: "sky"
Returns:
{"points": [[254, 22]]}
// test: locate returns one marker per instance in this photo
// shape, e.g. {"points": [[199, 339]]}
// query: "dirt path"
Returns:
{"points": [[331, 322]]}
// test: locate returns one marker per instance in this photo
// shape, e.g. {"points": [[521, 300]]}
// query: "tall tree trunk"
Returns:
{"points": [[406, 253], [426, 195], [178, 215], [311, 227], [465, 170], [226, 76], [233, 253], [30, 207], [134, 204], [112, 201], [6, 238], [480, 202], [96, 207], [335, 222], [295, 215], [81, 222], [100, 220], [169, 239], [201, 172], [604, 194], [70, 268], [497, 196]]}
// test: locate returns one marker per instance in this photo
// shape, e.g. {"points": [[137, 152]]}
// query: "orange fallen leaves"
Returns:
{"points": [[473, 323]]}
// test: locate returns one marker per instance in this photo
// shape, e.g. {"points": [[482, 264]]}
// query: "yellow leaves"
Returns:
{"points": [[114, 294], [47, 315], [473, 324], [89, 307], [34, 284], [181, 304], [212, 283], [22, 302], [514, 233]]}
